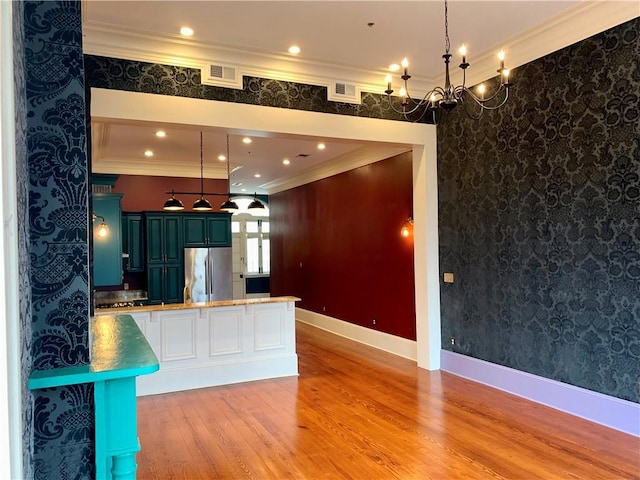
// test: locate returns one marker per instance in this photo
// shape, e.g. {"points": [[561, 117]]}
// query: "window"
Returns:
{"points": [[257, 246]]}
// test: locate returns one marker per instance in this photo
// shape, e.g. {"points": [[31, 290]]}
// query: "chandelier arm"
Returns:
{"points": [[483, 103]]}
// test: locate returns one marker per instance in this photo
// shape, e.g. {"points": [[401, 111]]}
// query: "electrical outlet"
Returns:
{"points": [[373, 321], [324, 309], [453, 340], [448, 277]]}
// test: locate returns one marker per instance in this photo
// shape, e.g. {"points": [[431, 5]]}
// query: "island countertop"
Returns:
{"points": [[183, 306]]}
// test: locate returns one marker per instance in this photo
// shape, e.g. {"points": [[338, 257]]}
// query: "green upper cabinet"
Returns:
{"points": [[164, 234], [207, 230], [164, 258], [107, 250], [133, 241]]}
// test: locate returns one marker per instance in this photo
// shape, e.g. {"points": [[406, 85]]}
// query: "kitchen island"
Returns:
{"points": [[216, 343]]}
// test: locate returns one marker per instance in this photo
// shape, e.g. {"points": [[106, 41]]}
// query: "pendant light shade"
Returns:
{"points": [[256, 204], [173, 204], [202, 205], [229, 206]]}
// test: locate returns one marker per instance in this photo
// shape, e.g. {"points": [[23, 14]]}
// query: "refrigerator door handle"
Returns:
{"points": [[209, 278]]}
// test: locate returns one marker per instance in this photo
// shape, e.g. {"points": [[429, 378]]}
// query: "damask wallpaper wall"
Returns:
{"points": [[540, 220], [136, 76], [54, 109]]}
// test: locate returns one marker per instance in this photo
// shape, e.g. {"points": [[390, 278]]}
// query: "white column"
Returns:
{"points": [[425, 231]]}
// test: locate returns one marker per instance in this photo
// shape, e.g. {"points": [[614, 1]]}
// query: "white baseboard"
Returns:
{"points": [[200, 376], [605, 410], [383, 341]]}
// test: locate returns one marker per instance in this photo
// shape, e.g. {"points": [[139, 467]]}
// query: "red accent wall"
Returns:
{"points": [[336, 244], [148, 192]]}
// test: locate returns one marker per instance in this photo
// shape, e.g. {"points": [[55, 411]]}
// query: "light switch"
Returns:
{"points": [[448, 277]]}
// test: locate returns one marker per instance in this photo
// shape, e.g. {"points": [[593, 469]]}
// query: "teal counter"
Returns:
{"points": [[119, 353]]}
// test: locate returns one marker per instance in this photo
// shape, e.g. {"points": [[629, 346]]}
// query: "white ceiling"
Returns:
{"points": [[337, 43]]}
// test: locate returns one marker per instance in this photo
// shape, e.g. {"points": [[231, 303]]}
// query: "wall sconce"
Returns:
{"points": [[103, 228], [407, 227]]}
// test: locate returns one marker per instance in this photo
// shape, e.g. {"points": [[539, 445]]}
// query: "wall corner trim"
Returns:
{"points": [[596, 407], [373, 338]]}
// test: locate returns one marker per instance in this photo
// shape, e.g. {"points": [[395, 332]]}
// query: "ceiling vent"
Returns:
{"points": [[344, 92], [221, 76]]}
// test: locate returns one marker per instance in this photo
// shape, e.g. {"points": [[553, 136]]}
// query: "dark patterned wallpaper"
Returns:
{"points": [[540, 220], [58, 218], [136, 76]]}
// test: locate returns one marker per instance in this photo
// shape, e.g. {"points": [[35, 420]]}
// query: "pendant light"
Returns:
{"points": [[256, 204], [229, 205], [173, 204], [202, 205]]}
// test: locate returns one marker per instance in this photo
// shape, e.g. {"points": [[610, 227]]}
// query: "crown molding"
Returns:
{"points": [[153, 167], [582, 21], [104, 40], [363, 156]]}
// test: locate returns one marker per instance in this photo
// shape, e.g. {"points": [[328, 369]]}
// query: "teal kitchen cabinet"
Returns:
{"points": [[133, 241], [164, 238], [164, 258], [164, 283], [107, 250], [208, 230]]}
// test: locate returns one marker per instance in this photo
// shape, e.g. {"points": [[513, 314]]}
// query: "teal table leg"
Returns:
{"points": [[116, 429], [124, 467]]}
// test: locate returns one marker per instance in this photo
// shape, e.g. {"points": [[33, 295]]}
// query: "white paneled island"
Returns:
{"points": [[216, 343]]}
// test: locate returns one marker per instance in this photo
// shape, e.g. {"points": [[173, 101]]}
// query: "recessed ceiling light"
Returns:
{"points": [[246, 140], [148, 153], [161, 133], [257, 175], [243, 189], [286, 161], [222, 158], [321, 146], [294, 49], [394, 67], [186, 31]]}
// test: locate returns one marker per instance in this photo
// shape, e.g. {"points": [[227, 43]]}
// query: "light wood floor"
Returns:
{"points": [[358, 413]]}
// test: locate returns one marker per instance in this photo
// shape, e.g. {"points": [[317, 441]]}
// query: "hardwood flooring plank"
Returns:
{"points": [[356, 412]]}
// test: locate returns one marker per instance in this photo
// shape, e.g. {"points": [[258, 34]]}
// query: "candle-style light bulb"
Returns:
{"points": [[463, 52], [481, 90], [501, 58], [505, 75], [403, 92], [388, 80], [405, 64], [433, 100]]}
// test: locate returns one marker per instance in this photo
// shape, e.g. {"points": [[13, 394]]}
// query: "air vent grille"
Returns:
{"points": [[221, 75], [344, 92], [101, 188]]}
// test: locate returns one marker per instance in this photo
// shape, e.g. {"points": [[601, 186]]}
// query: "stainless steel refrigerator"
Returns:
{"points": [[208, 274]]}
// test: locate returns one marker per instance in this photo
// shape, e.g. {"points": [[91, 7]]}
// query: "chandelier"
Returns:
{"points": [[444, 99]]}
